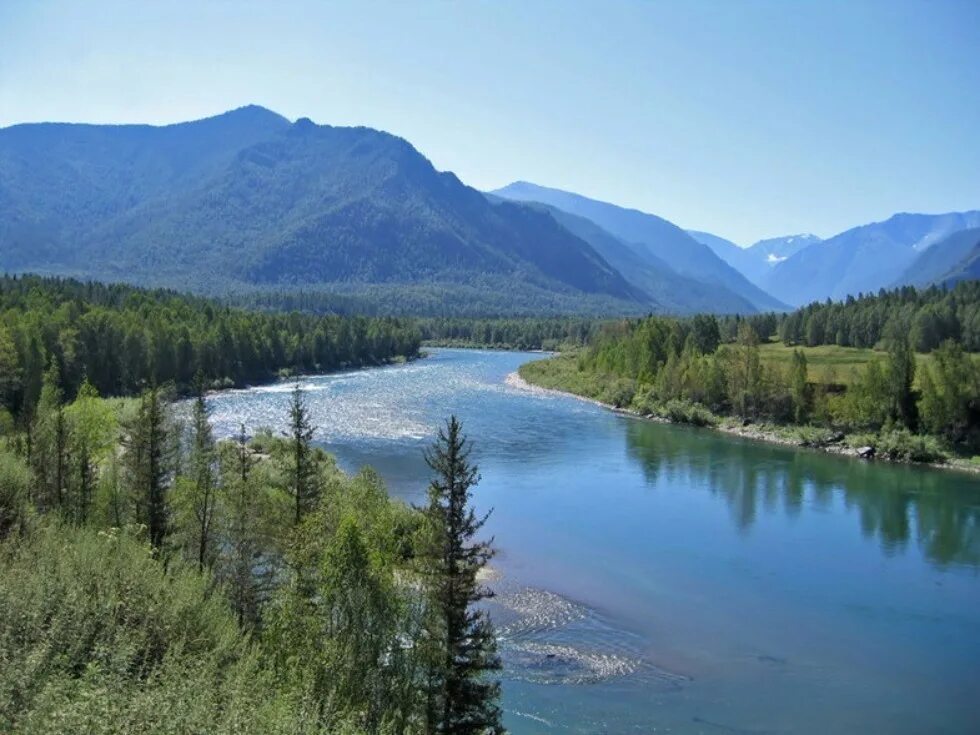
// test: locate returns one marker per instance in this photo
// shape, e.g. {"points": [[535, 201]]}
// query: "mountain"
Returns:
{"points": [[650, 235], [675, 293], [755, 261], [942, 261], [967, 269], [863, 259], [248, 200], [777, 249]]}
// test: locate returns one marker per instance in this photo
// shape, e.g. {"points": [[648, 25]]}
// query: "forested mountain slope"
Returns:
{"points": [[675, 293], [650, 235], [862, 259], [944, 259], [249, 200]]}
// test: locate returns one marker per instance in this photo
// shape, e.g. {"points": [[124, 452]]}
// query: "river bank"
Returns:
{"points": [[823, 440]]}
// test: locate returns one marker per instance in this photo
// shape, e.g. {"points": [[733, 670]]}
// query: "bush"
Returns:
{"points": [[901, 444], [97, 637], [689, 413], [15, 483]]}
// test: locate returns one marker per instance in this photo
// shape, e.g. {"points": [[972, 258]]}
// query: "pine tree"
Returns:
{"points": [[304, 488], [462, 700], [241, 544], [202, 462], [147, 459], [49, 442]]}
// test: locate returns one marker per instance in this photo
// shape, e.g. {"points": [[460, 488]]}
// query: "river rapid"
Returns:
{"points": [[659, 578]]}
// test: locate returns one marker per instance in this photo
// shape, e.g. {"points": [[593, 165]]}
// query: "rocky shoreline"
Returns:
{"points": [[751, 431]]}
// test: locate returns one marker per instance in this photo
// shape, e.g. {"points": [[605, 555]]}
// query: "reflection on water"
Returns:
{"points": [[895, 505], [659, 578]]}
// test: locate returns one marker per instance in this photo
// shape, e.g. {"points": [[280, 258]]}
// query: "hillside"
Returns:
{"points": [[863, 259], [674, 293], [944, 260], [650, 235], [248, 201]]}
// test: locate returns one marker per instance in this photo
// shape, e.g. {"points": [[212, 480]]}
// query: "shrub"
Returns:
{"points": [[901, 444]]}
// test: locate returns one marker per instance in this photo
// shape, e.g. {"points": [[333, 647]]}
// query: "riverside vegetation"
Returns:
{"points": [[683, 370], [154, 580]]}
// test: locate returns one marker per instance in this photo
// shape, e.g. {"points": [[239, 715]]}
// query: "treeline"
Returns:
{"points": [[154, 580], [682, 370], [930, 317], [513, 334], [122, 338]]}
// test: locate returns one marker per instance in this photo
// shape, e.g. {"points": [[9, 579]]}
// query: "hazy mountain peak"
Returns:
{"points": [[864, 258], [648, 234]]}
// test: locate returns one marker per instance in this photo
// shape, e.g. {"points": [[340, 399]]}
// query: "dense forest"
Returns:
{"points": [[510, 334], [120, 339], [154, 580], [692, 370], [930, 316]]}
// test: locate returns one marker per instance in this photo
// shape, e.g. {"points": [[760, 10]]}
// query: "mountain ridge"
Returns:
{"points": [[255, 200], [648, 234]]}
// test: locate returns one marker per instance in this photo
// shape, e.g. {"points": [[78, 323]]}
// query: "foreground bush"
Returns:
{"points": [[97, 637]]}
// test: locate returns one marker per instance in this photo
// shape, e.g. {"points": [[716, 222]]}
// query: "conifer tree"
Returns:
{"points": [[241, 540], [147, 460], [49, 442], [462, 699], [304, 485], [202, 467]]}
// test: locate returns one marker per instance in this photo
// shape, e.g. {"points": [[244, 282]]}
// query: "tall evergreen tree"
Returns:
{"points": [[463, 699], [49, 442], [202, 467], [241, 542], [304, 486], [147, 461]]}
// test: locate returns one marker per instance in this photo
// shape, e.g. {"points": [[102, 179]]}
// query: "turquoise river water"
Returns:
{"points": [[664, 579]]}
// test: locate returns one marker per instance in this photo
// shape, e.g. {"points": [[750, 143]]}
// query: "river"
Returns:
{"points": [[657, 578]]}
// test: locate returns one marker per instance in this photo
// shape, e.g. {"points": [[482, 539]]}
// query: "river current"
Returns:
{"points": [[666, 579]]}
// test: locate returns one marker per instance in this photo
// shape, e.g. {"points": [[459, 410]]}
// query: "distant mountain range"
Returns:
{"points": [[863, 259], [662, 245], [250, 203], [756, 261], [249, 200], [955, 258]]}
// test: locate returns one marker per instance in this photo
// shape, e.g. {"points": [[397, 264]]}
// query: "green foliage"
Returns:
{"points": [[121, 338], [16, 482], [96, 637], [247, 202], [902, 444], [460, 699], [950, 388], [929, 317], [653, 366], [511, 334]]}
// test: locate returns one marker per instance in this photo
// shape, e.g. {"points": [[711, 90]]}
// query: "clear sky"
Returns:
{"points": [[747, 119]]}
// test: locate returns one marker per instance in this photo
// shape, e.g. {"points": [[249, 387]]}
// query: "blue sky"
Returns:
{"points": [[747, 119]]}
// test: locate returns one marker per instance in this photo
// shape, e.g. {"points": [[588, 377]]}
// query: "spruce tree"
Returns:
{"points": [[462, 698], [304, 486], [49, 442], [202, 466], [147, 460]]}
